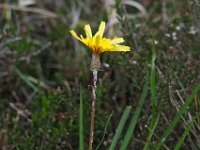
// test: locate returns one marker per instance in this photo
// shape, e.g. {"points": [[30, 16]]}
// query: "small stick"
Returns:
{"points": [[95, 72]]}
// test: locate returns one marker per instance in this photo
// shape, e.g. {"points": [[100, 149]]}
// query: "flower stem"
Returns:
{"points": [[94, 86]]}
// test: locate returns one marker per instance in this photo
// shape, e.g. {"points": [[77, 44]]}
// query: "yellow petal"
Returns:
{"points": [[97, 40], [117, 40], [101, 29], [88, 31], [120, 48], [81, 37], [74, 34], [85, 41]]}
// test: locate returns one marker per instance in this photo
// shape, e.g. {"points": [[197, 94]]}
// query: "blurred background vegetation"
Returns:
{"points": [[43, 69]]}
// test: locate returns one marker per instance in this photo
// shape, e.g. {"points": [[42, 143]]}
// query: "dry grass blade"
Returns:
{"points": [[30, 9], [136, 5]]}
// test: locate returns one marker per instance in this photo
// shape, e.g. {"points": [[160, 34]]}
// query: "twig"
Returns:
{"points": [[10, 40], [20, 112], [95, 72]]}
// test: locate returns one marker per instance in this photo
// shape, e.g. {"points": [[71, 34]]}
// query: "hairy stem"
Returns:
{"points": [[94, 86]]}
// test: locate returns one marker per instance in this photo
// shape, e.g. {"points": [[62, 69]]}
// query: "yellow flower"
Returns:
{"points": [[99, 44]]}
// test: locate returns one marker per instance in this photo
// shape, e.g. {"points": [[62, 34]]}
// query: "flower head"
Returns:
{"points": [[99, 44]]}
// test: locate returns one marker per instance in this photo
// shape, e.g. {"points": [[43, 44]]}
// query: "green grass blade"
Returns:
{"points": [[153, 79], [179, 81], [178, 115], [81, 144], [120, 127], [153, 124], [182, 138], [26, 80], [155, 116], [130, 131]]}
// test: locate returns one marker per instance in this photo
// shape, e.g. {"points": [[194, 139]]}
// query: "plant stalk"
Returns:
{"points": [[94, 87]]}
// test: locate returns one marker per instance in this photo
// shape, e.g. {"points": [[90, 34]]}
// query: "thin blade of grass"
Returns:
{"points": [[178, 115], [179, 81], [105, 131], [153, 79], [153, 124], [120, 127], [155, 116], [182, 138], [131, 128], [81, 145], [25, 79]]}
